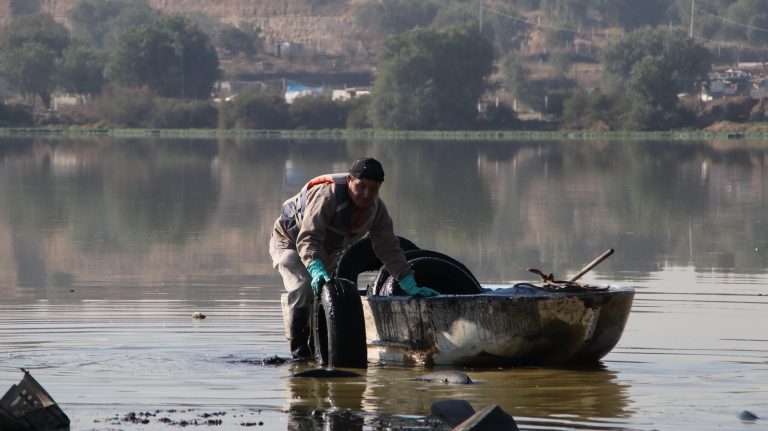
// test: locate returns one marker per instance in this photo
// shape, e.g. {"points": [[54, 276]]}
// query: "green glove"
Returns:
{"points": [[317, 272], [408, 284]]}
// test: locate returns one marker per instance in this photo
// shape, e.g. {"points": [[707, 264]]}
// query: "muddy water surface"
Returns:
{"points": [[107, 248]]}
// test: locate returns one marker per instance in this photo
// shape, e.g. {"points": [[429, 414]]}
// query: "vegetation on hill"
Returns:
{"points": [[594, 64]]}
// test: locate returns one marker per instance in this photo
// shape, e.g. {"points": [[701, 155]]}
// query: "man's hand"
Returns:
{"points": [[317, 272], [408, 284]]}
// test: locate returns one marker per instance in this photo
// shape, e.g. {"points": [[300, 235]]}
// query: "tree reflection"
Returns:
{"points": [[499, 207]]}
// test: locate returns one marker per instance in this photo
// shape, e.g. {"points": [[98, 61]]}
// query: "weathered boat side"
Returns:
{"points": [[548, 329]]}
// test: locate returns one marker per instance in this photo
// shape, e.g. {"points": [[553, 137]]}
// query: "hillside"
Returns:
{"points": [[327, 29]]}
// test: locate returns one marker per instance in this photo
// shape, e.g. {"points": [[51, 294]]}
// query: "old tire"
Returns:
{"points": [[338, 326], [359, 257], [436, 273]]}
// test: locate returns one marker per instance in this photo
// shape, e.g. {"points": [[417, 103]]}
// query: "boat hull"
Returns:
{"points": [[525, 326]]}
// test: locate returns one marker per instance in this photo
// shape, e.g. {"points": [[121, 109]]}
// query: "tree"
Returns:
{"points": [[431, 78], [28, 51], [255, 108], [687, 60], [388, 17], [80, 70], [234, 40], [97, 21], [170, 56], [317, 112]]}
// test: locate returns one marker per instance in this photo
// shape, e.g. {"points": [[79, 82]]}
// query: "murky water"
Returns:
{"points": [[107, 248]]}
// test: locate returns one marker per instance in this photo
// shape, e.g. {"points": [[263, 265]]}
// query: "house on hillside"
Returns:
{"points": [[727, 84]]}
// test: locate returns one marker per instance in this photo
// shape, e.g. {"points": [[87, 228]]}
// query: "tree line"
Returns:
{"points": [[136, 68]]}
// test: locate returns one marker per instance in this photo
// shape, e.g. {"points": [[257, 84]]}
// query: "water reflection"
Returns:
{"points": [[108, 246], [318, 403], [69, 207], [559, 398]]}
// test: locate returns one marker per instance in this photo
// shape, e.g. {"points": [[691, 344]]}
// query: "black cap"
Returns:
{"points": [[367, 168]]}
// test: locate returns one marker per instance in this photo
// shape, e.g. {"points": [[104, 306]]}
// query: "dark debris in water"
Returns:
{"points": [[270, 360], [190, 418]]}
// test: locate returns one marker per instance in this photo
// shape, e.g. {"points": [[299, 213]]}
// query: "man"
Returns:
{"points": [[329, 213]]}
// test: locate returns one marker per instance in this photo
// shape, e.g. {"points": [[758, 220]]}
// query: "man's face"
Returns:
{"points": [[362, 191]]}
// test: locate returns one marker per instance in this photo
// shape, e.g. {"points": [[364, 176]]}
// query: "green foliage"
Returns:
{"points": [[501, 117], [80, 70], [358, 113], [387, 17], [317, 112], [183, 114], [516, 77], [687, 60], [125, 107], [29, 69], [574, 11], [15, 116], [620, 111], [431, 79], [256, 107], [505, 27], [235, 41], [633, 14], [97, 22], [24, 7], [29, 47], [170, 56]]}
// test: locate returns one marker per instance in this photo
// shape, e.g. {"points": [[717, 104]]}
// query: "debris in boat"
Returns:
{"points": [[28, 407], [489, 418], [452, 412], [570, 285], [747, 415], [448, 376], [198, 315], [325, 373]]}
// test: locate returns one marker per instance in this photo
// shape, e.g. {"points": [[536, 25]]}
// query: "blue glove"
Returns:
{"points": [[317, 272], [408, 284]]}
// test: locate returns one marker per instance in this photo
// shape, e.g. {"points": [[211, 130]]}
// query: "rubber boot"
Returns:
{"points": [[299, 331]]}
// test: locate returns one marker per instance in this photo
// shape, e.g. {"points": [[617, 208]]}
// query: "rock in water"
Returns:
{"points": [[448, 376], [747, 415], [489, 418], [452, 412]]}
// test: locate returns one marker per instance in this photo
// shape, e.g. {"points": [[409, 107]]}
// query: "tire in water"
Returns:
{"points": [[338, 326]]}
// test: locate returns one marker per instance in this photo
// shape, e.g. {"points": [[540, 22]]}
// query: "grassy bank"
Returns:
{"points": [[501, 135]]}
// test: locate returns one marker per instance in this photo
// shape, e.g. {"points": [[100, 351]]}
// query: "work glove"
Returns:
{"points": [[319, 275], [408, 284]]}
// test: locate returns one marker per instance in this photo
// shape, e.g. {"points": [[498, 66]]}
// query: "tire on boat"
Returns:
{"points": [[381, 277], [360, 257], [433, 272], [338, 326]]}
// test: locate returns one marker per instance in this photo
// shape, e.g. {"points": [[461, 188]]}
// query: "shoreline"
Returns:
{"points": [[747, 132]]}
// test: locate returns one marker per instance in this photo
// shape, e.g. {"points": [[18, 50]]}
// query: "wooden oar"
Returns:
{"points": [[591, 265]]}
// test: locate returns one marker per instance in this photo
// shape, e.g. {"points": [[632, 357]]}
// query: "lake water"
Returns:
{"points": [[108, 246]]}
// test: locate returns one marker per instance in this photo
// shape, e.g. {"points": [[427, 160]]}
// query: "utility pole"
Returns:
{"points": [[690, 32], [481, 16]]}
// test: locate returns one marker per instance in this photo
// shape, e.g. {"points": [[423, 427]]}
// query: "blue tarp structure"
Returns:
{"points": [[294, 89]]}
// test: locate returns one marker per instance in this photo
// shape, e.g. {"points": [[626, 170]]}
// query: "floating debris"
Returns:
{"points": [[28, 407], [198, 315]]}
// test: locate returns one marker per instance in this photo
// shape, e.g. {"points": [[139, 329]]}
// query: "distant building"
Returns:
{"points": [[288, 50], [349, 93]]}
